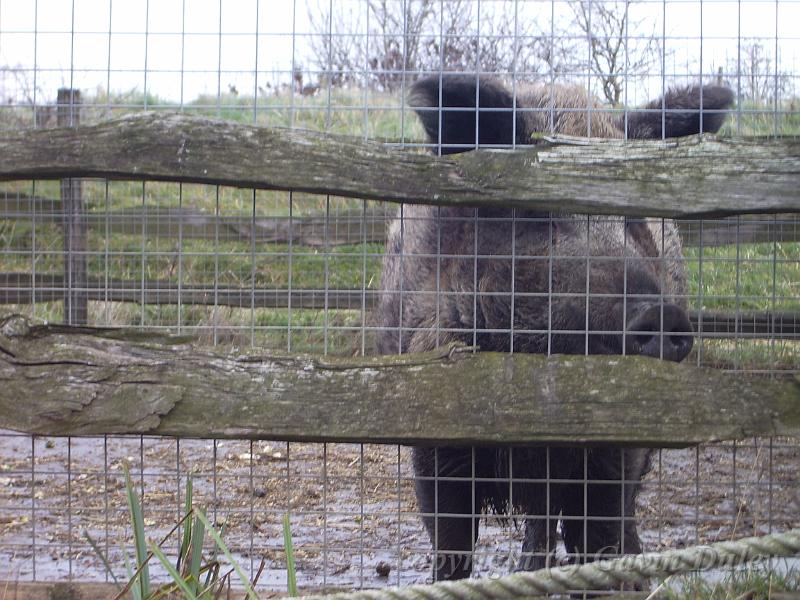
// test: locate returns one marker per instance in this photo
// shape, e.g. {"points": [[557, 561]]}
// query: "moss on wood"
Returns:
{"points": [[689, 177], [59, 380]]}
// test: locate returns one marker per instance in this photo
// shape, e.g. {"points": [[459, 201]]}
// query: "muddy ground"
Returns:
{"points": [[352, 507]]}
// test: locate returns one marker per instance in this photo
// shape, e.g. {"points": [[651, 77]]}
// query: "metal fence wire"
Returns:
{"points": [[305, 273]]}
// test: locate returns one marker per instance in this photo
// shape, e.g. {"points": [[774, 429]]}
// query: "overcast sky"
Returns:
{"points": [[178, 49]]}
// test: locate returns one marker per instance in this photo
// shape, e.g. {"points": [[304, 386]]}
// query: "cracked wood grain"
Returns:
{"points": [[58, 380], [688, 177]]}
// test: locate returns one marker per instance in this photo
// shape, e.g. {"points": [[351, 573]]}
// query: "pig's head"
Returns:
{"points": [[602, 286], [568, 284]]}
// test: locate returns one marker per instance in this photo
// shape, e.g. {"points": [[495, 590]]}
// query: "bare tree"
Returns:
{"points": [[16, 85], [338, 51], [754, 74], [496, 41], [615, 53], [449, 48], [17, 90], [388, 40], [397, 43], [384, 40]]}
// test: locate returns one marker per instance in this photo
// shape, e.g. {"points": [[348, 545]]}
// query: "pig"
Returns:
{"points": [[520, 283]]}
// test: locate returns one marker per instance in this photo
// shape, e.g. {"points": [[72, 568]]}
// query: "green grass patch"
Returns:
{"points": [[763, 119], [746, 354], [747, 277], [753, 583], [358, 112], [195, 574]]}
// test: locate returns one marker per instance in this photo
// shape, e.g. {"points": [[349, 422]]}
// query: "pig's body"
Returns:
{"points": [[532, 297]]}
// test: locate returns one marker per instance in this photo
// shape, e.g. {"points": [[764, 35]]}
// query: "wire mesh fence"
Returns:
{"points": [[297, 272], [352, 510]]}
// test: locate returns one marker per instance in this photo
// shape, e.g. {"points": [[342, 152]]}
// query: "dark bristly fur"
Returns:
{"points": [[455, 129], [434, 291], [681, 116], [447, 111]]}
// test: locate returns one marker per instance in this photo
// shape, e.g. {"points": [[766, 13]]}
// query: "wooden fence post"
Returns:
{"points": [[74, 221]]}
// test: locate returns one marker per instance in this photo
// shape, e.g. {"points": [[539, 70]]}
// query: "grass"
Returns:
{"points": [[758, 119], [152, 197], [747, 277], [751, 583], [746, 354], [196, 574], [365, 113], [750, 277], [359, 112]]}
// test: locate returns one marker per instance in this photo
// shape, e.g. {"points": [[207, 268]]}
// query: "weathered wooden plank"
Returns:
{"points": [[16, 205], [345, 228], [746, 324], [58, 380], [748, 229], [21, 288], [695, 176], [317, 231]]}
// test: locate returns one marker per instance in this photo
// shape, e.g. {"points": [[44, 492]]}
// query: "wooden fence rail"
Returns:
{"points": [[84, 381], [341, 228], [315, 231], [692, 177], [21, 288]]}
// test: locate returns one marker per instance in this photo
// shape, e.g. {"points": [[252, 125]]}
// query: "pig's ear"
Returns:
{"points": [[463, 112], [682, 111]]}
